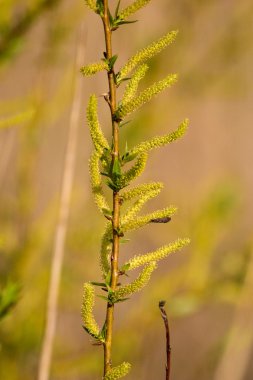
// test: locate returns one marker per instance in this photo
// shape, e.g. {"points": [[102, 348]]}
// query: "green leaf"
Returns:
{"points": [[108, 279], [125, 267], [9, 296], [103, 331], [116, 168], [125, 123], [112, 61], [100, 7], [128, 156], [124, 241], [117, 9], [98, 283], [107, 213]]}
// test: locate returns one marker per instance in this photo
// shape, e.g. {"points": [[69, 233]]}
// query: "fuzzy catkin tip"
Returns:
{"points": [[94, 68], [160, 141], [141, 221], [128, 11], [147, 53], [91, 4], [157, 255], [87, 310], [118, 372], [140, 190]]}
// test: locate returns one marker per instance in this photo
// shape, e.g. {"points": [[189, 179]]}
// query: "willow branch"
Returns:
{"points": [[116, 200]]}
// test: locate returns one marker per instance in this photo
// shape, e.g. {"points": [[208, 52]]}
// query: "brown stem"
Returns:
{"points": [[168, 347], [116, 200]]}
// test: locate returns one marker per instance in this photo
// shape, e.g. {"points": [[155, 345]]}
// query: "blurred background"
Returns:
{"points": [[207, 174]]}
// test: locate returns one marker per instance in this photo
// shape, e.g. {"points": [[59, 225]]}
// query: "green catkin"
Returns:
{"points": [[94, 68], [145, 96], [87, 310], [160, 141], [128, 11], [136, 285], [91, 4], [133, 84], [118, 372], [141, 190], [159, 254], [135, 171], [98, 138], [96, 184], [147, 53], [105, 250], [136, 207], [143, 220]]}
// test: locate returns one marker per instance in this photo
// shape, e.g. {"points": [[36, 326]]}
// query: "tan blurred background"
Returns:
{"points": [[208, 175]]}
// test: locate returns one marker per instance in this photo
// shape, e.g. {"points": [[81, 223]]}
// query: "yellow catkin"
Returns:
{"points": [[136, 285], [133, 84], [98, 138], [159, 141], [128, 11], [135, 171], [140, 190], [96, 184], [143, 220], [136, 207], [91, 4], [145, 96], [94, 68], [105, 250], [147, 53], [159, 254], [87, 310], [118, 372]]}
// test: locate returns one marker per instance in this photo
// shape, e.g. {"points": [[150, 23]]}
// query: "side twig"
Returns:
{"points": [[168, 347]]}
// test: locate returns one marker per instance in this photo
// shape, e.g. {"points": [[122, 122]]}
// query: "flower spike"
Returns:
{"points": [[147, 53]]}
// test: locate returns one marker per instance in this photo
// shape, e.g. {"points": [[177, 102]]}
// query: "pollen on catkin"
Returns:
{"points": [[96, 184], [159, 141], [91, 4], [147, 53], [128, 11], [97, 136], [135, 171], [143, 198], [145, 96], [133, 84], [143, 220], [157, 255], [118, 372], [87, 310], [94, 68], [137, 284], [139, 190]]}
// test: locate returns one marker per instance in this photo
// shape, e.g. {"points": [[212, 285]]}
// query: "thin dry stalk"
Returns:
{"points": [[60, 234], [168, 347]]}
